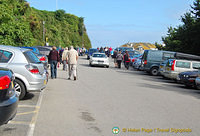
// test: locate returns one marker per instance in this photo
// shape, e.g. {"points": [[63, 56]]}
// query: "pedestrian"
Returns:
{"points": [[64, 58], [114, 57], [60, 54], [72, 58], [126, 60], [119, 59], [54, 60]]}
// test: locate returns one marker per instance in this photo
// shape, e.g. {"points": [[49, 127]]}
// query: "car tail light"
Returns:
{"points": [[43, 58], [4, 82], [133, 60], [173, 64], [32, 69], [145, 62]]}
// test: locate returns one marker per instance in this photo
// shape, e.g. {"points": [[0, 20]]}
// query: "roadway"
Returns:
{"points": [[103, 98]]}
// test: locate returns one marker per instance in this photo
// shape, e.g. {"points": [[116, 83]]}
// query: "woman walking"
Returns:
{"points": [[119, 59]]}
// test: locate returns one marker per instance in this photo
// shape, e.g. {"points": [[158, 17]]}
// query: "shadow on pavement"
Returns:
{"points": [[28, 96]]}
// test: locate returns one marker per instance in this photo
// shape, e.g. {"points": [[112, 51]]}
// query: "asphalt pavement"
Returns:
{"points": [[104, 100]]}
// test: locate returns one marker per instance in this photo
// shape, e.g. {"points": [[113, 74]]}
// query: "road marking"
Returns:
{"points": [[34, 118], [29, 112], [19, 122], [27, 106]]}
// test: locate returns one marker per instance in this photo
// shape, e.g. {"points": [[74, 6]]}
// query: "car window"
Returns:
{"points": [[99, 55], [195, 65], [183, 64], [31, 57], [5, 56], [167, 55]]}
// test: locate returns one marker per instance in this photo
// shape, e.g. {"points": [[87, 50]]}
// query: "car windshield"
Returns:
{"points": [[31, 57], [93, 50], [99, 55]]}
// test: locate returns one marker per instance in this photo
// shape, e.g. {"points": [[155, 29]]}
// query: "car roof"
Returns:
{"points": [[13, 48]]}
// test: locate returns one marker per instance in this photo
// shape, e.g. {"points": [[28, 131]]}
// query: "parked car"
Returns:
{"points": [[8, 96], [152, 58], [99, 59], [197, 82], [90, 52], [132, 55], [43, 58], [176, 66], [29, 71], [137, 63], [162, 67], [188, 78], [45, 50]]}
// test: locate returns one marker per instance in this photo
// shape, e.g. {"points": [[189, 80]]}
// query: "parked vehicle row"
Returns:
{"points": [[181, 67], [30, 73]]}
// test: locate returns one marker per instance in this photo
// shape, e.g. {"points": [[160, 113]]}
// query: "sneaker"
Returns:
{"points": [[69, 78], [74, 78]]}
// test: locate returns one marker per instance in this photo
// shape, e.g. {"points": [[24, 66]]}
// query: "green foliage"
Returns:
{"points": [[21, 25], [185, 38]]}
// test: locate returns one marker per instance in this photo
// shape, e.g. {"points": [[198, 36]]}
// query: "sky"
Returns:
{"points": [[116, 22]]}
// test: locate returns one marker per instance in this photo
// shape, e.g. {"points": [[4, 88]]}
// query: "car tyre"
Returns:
{"points": [[20, 88], [107, 66], [154, 71]]}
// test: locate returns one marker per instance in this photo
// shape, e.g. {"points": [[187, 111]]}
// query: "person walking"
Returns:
{"points": [[72, 58], [64, 58], [126, 60], [54, 60], [119, 59], [115, 58]]}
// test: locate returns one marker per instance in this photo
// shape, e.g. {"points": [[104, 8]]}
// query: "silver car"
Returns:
{"points": [[29, 71]]}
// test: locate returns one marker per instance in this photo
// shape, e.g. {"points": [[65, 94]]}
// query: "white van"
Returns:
{"points": [[176, 66]]}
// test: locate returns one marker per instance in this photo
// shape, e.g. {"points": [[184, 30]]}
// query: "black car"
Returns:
{"points": [[188, 78], [8, 96]]}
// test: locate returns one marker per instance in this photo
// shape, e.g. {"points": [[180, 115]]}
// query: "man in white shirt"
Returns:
{"points": [[72, 57]]}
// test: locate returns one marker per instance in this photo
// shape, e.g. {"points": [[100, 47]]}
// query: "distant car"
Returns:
{"points": [[30, 74], [197, 82], [188, 78], [8, 96], [45, 50], [137, 63], [90, 52], [176, 66], [99, 59]]}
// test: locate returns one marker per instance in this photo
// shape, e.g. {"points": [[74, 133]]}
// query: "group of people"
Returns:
{"points": [[69, 59], [118, 58], [108, 51]]}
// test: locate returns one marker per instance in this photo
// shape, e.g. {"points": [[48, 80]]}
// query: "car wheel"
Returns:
{"points": [[20, 88], [154, 71], [107, 66], [197, 87]]}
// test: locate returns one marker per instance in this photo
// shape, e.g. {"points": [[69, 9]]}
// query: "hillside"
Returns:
{"points": [[22, 25], [146, 46]]}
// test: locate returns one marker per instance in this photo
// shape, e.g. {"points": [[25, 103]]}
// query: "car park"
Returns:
{"points": [[8, 96], [30, 74], [90, 52], [176, 66], [99, 59], [151, 60], [188, 78]]}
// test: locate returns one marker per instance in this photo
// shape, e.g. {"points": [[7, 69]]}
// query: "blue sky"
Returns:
{"points": [[116, 22]]}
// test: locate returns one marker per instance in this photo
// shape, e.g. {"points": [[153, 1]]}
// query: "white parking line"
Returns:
{"points": [[34, 118]]}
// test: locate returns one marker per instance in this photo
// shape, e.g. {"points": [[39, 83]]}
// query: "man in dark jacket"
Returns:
{"points": [[54, 60]]}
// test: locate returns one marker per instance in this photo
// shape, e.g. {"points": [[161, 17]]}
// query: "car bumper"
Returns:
{"points": [[99, 64], [171, 75], [8, 109], [38, 84]]}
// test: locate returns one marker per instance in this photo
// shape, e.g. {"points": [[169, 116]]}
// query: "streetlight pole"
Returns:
{"points": [[43, 22]]}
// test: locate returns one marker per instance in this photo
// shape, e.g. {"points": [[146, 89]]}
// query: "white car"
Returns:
{"points": [[99, 59]]}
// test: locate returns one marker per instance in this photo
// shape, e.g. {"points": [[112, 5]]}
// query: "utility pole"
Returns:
{"points": [[43, 22]]}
